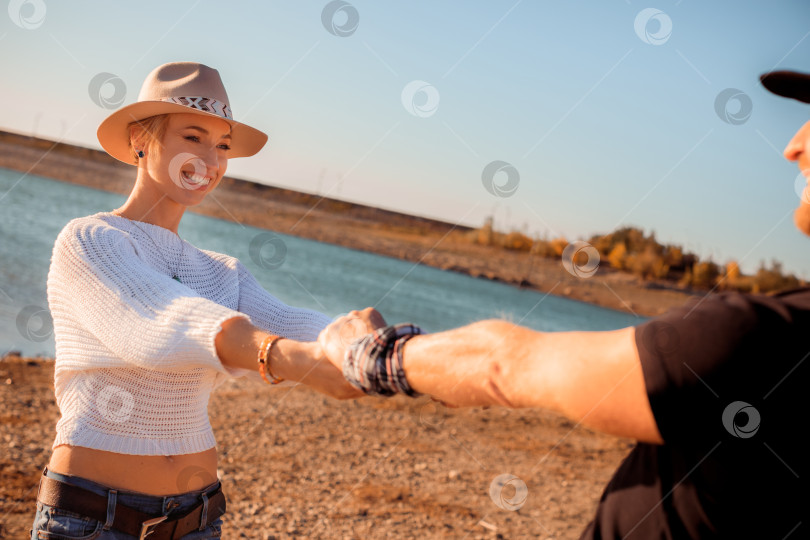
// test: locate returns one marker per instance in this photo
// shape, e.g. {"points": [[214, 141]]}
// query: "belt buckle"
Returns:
{"points": [[150, 523]]}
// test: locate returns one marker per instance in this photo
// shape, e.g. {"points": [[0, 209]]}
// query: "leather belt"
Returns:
{"points": [[128, 520]]}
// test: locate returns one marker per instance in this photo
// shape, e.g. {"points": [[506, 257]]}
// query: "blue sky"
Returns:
{"points": [[606, 125]]}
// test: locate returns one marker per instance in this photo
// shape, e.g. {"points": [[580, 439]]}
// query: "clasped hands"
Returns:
{"points": [[333, 341]]}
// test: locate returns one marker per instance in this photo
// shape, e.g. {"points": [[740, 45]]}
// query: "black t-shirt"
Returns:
{"points": [[727, 379]]}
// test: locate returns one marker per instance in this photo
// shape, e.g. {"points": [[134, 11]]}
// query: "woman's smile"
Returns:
{"points": [[196, 181]]}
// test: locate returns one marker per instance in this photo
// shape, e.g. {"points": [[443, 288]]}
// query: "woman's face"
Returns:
{"points": [[191, 158]]}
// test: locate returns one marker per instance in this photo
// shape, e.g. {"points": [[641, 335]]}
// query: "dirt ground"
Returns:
{"points": [[296, 464]]}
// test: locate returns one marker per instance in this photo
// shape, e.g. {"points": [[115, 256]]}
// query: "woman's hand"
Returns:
{"points": [[317, 372], [338, 336]]}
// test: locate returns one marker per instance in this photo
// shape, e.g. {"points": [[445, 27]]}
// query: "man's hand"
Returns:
{"points": [[336, 338]]}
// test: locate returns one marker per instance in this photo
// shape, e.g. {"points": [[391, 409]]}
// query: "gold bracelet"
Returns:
{"points": [[264, 359]]}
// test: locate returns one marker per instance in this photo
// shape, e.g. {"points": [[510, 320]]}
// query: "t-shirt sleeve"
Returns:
{"points": [[274, 316], [142, 317], [699, 358]]}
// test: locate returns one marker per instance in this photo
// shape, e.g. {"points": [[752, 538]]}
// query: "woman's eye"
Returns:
{"points": [[192, 138], [224, 146]]}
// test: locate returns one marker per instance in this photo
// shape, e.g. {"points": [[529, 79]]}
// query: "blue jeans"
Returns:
{"points": [[53, 523]]}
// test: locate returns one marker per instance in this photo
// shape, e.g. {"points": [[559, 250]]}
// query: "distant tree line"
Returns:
{"points": [[629, 249]]}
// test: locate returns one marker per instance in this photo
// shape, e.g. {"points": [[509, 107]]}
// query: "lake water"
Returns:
{"points": [[310, 274]]}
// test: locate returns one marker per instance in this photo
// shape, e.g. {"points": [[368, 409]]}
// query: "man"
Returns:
{"points": [[712, 391]]}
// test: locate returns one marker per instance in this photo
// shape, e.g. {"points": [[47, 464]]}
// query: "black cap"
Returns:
{"points": [[790, 84]]}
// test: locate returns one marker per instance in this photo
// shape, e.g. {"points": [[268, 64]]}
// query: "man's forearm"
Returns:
{"points": [[469, 366], [593, 378]]}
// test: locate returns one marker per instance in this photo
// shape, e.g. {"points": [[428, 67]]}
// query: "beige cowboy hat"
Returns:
{"points": [[178, 87]]}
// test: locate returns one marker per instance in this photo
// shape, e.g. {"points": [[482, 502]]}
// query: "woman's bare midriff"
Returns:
{"points": [[153, 475]]}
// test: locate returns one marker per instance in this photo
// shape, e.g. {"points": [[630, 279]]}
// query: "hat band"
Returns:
{"points": [[219, 108]]}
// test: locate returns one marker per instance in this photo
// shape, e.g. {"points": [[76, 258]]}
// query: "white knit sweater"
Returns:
{"points": [[135, 355]]}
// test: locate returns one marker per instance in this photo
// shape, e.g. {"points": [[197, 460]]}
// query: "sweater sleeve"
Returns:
{"points": [[144, 318], [274, 316]]}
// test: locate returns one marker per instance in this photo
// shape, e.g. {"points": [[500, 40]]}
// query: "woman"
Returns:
{"points": [[146, 325]]}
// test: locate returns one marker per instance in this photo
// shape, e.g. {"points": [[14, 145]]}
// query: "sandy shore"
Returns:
{"points": [[296, 464], [419, 240]]}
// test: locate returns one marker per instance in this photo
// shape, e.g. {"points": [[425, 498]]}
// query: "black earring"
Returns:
{"points": [[140, 153]]}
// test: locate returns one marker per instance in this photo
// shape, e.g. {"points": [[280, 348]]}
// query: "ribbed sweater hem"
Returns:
{"points": [[138, 446]]}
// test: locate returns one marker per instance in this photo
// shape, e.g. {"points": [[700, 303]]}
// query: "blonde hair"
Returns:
{"points": [[147, 133]]}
